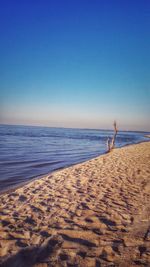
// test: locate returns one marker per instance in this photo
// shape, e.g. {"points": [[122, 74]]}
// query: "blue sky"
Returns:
{"points": [[75, 63]]}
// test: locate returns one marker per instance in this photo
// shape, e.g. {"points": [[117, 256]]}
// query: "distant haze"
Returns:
{"points": [[75, 63]]}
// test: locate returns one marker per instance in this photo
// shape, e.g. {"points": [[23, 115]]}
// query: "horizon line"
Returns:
{"points": [[78, 128]]}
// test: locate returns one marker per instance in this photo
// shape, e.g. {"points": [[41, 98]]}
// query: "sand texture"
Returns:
{"points": [[98, 210]]}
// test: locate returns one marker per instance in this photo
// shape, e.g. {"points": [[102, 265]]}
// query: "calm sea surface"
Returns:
{"points": [[27, 152]]}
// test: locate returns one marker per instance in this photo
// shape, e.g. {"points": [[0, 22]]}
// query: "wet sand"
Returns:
{"points": [[99, 209]]}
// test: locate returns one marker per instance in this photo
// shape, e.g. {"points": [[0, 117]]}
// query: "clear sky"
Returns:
{"points": [[75, 63]]}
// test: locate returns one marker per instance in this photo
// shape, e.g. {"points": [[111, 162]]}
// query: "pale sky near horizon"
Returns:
{"points": [[75, 63]]}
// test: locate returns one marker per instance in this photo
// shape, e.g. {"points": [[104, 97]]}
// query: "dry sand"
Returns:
{"points": [[99, 208]]}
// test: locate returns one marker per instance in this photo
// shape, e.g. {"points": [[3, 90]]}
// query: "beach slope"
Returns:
{"points": [[99, 208]]}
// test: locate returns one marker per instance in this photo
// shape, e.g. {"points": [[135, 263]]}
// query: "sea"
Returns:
{"points": [[27, 152]]}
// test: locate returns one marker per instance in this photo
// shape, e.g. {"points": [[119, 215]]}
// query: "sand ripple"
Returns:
{"points": [[99, 208]]}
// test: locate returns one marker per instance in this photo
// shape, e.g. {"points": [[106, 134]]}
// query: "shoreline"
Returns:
{"points": [[100, 209], [12, 189], [147, 136]]}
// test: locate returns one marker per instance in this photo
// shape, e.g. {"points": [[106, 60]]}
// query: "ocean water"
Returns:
{"points": [[27, 152]]}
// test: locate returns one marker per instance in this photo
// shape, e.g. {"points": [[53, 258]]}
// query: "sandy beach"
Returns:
{"points": [[97, 212]]}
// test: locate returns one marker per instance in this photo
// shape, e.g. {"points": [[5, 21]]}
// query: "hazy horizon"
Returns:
{"points": [[75, 64], [80, 128]]}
